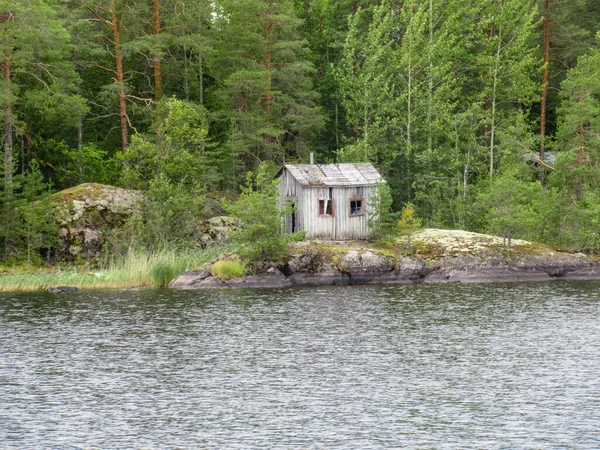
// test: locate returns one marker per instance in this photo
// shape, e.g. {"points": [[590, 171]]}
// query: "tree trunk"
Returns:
{"points": [[117, 29], [494, 101], [268, 28], [545, 77], [158, 81], [8, 128], [430, 84]]}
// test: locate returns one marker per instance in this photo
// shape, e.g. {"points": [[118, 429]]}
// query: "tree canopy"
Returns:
{"points": [[457, 103]]}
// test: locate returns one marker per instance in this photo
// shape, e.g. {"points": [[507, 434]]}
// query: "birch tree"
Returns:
{"points": [[578, 137], [507, 64]]}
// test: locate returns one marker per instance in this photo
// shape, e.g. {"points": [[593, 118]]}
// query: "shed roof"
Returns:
{"points": [[360, 174]]}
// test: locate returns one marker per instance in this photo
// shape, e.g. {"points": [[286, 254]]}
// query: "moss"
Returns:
{"points": [[428, 250], [525, 250], [91, 190]]}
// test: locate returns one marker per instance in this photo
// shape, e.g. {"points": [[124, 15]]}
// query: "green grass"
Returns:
{"points": [[226, 269], [136, 269]]}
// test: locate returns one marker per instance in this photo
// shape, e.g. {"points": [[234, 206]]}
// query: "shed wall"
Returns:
{"points": [[341, 226]]}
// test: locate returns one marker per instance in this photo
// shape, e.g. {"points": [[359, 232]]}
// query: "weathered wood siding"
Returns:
{"points": [[340, 226], [290, 190]]}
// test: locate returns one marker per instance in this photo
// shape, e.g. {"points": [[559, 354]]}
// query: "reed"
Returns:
{"points": [[135, 269]]}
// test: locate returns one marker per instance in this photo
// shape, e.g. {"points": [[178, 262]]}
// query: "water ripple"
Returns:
{"points": [[368, 367]]}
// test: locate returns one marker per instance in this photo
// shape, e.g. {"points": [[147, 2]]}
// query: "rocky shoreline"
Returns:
{"points": [[439, 256]]}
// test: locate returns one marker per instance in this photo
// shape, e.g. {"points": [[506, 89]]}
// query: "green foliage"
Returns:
{"points": [[170, 213], [90, 164], [139, 165], [168, 219], [29, 226], [226, 269], [514, 206], [577, 170], [408, 223], [382, 220], [439, 94], [266, 98], [261, 237], [162, 273]]}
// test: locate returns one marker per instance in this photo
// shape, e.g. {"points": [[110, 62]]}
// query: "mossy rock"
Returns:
{"points": [[84, 212]]}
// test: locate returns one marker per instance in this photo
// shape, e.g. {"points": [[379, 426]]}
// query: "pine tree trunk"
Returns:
{"points": [[545, 77], [158, 79], [8, 128], [117, 29], [268, 27]]}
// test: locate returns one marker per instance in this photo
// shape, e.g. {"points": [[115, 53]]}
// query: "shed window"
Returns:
{"points": [[357, 206], [326, 207]]}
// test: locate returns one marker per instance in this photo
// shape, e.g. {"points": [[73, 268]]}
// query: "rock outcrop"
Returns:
{"points": [[85, 211], [437, 256], [202, 279], [217, 229]]}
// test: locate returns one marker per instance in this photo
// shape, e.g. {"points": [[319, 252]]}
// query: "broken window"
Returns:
{"points": [[326, 207], [356, 207]]}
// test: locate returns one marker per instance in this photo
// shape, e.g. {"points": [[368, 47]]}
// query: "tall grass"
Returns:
{"points": [[135, 269], [226, 269]]}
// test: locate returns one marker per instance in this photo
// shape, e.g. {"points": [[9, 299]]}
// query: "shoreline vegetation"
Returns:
{"points": [[459, 256], [136, 270]]}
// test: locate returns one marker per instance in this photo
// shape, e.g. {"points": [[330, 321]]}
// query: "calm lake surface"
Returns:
{"points": [[364, 367]]}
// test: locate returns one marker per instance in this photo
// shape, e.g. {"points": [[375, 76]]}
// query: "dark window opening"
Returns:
{"points": [[356, 207], [326, 207]]}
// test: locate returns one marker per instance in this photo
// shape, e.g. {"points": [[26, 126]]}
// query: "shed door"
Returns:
{"points": [[291, 221]]}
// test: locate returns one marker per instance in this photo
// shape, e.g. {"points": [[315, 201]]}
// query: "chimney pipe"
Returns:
{"points": [[312, 158]]}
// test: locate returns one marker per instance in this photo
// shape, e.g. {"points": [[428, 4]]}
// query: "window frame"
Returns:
{"points": [[363, 206], [332, 201]]}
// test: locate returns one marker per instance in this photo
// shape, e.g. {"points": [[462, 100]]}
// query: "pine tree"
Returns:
{"points": [[266, 94], [37, 75]]}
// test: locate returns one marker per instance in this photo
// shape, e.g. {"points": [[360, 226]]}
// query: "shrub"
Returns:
{"points": [[262, 237], [408, 222], [162, 273], [227, 269], [381, 218]]}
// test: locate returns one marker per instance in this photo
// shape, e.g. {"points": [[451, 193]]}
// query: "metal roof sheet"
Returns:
{"points": [[360, 174]]}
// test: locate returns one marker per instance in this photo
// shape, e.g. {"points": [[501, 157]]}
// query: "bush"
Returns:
{"points": [[227, 269], [262, 237], [162, 273], [381, 218]]}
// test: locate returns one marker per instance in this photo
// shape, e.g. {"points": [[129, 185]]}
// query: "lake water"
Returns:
{"points": [[355, 367]]}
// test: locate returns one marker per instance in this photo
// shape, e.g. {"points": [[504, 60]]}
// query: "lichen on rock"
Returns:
{"points": [[83, 212]]}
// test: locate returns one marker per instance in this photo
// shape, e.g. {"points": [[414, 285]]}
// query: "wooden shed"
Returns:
{"points": [[332, 200]]}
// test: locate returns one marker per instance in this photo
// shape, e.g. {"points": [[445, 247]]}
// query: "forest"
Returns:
{"points": [[484, 115]]}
